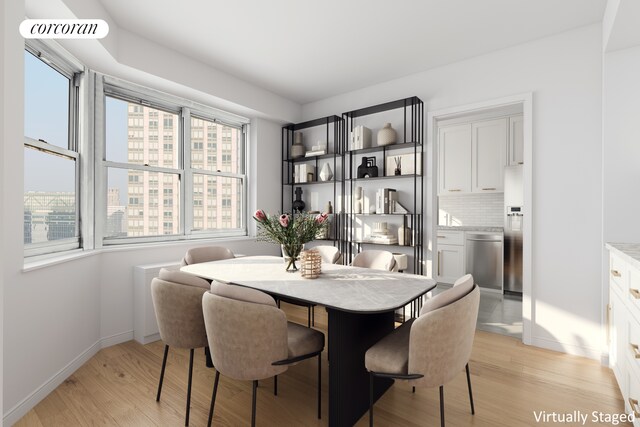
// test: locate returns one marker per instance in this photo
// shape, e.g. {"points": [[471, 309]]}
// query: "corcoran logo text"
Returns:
{"points": [[64, 28]]}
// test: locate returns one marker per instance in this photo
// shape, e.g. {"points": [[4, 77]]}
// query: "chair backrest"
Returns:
{"points": [[464, 281], [206, 254], [329, 254], [441, 340], [379, 260], [177, 302], [247, 332]]}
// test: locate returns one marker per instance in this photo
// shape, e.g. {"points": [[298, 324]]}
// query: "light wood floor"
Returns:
{"points": [[510, 381]]}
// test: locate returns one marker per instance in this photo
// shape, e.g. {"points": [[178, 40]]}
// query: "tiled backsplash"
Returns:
{"points": [[484, 210]]}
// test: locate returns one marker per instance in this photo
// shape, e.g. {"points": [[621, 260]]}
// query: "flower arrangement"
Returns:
{"points": [[291, 233]]}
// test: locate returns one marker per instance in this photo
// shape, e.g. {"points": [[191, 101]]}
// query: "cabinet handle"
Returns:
{"points": [[521, 163], [455, 189], [636, 351], [615, 273], [442, 237], [488, 189], [438, 263], [635, 293], [634, 405]]}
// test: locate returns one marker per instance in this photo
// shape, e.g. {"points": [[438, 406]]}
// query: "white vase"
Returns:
{"points": [[326, 174], [387, 135]]}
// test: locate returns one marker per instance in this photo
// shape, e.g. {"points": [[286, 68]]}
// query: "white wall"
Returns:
{"points": [[564, 74]]}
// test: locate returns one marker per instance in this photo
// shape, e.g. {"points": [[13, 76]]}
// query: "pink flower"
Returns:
{"points": [[321, 218], [260, 216], [284, 220]]}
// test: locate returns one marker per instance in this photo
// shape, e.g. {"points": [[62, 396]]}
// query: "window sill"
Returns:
{"points": [[44, 261]]}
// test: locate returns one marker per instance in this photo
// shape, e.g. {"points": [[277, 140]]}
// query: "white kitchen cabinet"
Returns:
{"points": [[624, 322], [454, 159], [450, 256], [516, 140], [488, 154]]}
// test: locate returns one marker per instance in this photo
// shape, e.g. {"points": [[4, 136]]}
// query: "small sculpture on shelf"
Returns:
{"points": [[298, 203], [368, 168], [326, 174]]}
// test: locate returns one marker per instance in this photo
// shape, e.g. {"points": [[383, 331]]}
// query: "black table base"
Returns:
{"points": [[350, 336]]}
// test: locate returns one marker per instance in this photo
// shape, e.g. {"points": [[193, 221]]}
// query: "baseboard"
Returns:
{"points": [[575, 350], [14, 414]]}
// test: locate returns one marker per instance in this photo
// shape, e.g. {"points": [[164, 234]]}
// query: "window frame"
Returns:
{"points": [[62, 62], [107, 86]]}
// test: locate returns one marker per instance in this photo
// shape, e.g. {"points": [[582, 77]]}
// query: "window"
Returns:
{"points": [[51, 161], [181, 181]]}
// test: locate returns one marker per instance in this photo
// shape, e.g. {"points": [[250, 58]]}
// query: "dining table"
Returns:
{"points": [[360, 303]]}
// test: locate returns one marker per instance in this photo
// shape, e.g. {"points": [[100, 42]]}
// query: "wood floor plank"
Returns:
{"points": [[510, 381]]}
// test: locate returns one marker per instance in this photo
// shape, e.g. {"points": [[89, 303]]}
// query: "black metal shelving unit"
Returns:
{"points": [[411, 137], [334, 126]]}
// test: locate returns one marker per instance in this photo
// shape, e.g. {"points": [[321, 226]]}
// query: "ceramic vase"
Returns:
{"points": [[387, 135], [297, 149], [326, 174]]}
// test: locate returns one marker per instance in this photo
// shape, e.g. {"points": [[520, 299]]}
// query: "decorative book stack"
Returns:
{"points": [[381, 234]]}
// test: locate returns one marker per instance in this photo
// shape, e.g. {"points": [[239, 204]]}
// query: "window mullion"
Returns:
{"points": [[187, 181]]}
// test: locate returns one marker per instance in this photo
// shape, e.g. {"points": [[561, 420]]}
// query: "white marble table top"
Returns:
{"points": [[342, 287], [630, 251]]}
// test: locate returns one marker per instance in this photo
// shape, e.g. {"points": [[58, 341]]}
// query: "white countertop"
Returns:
{"points": [[470, 228], [629, 251], [342, 287]]}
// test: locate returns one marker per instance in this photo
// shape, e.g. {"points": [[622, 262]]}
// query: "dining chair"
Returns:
{"points": [[431, 350], [206, 254], [250, 338], [177, 301], [329, 254], [379, 260]]}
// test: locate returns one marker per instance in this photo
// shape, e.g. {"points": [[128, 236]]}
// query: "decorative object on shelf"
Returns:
{"points": [[358, 200], [303, 173], [298, 203], [398, 169], [310, 264], [387, 135], [398, 208], [381, 234], [385, 200], [360, 138], [297, 149], [317, 150], [404, 236], [290, 233], [367, 168], [326, 174], [329, 209], [407, 162]]}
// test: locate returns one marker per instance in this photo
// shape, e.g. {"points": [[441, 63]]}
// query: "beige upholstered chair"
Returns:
{"points": [[177, 301], [431, 350], [379, 260], [329, 254], [206, 254], [250, 338]]}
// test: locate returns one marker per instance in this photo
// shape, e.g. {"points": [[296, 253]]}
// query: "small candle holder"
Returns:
{"points": [[310, 264]]}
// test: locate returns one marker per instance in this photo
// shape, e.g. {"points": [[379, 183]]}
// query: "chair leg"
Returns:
{"points": [[164, 364], [320, 386], [441, 406], [470, 392], [186, 420], [275, 385], [313, 316], [308, 316], [370, 399], [213, 398], [253, 405], [413, 389]]}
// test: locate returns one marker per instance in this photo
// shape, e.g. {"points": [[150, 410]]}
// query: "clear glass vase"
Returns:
{"points": [[291, 254]]}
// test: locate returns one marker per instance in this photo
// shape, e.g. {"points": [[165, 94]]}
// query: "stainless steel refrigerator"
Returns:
{"points": [[513, 222]]}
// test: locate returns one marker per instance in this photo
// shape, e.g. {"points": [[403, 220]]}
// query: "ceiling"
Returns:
{"points": [[309, 50]]}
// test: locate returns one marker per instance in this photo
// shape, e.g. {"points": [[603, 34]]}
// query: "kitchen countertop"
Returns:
{"points": [[629, 251], [470, 228]]}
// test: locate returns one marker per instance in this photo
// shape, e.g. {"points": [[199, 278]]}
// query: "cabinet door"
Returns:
{"points": [[454, 159], [489, 146], [516, 140], [618, 338], [450, 263]]}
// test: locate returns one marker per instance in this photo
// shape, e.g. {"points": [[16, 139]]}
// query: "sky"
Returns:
{"points": [[46, 117]]}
